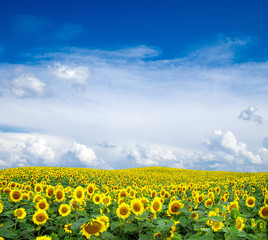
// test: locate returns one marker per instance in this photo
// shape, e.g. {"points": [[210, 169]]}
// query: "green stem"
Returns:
{"points": [[15, 225]]}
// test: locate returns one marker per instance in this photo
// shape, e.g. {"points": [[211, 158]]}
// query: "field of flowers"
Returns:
{"points": [[144, 203]]}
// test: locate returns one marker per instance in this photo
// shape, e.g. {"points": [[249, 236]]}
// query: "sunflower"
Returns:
{"points": [[123, 210], [239, 223], [137, 206], [40, 217], [216, 225], [64, 210], [20, 213], [250, 202], [233, 205], [208, 203], [59, 195], [261, 225], [79, 194], [38, 188], [95, 227], [156, 205], [91, 189], [264, 212], [50, 191], [174, 207], [42, 204], [43, 238], [37, 198], [15, 195], [67, 228], [105, 220], [107, 200], [97, 198]]}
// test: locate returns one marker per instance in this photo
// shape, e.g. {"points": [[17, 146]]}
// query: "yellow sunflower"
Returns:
{"points": [[174, 207], [15, 195], [95, 227], [137, 206], [194, 215], [64, 210], [107, 200], [239, 223], [156, 205], [233, 205], [38, 188], [97, 198], [79, 194], [208, 203], [67, 228], [250, 202], [20, 213], [59, 195], [90, 189], [123, 210], [105, 220], [40, 217], [50, 191], [42, 204], [264, 212], [216, 225]]}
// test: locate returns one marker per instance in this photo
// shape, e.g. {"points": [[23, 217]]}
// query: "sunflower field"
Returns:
{"points": [[46, 203]]}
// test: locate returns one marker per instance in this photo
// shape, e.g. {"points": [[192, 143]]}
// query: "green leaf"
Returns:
{"points": [[76, 226], [7, 234], [183, 221], [108, 236], [114, 225], [130, 228], [233, 231], [217, 218]]}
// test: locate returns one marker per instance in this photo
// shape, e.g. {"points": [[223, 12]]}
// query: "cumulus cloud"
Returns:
{"points": [[27, 86], [249, 115], [148, 155], [84, 154], [21, 150], [233, 151], [76, 74]]}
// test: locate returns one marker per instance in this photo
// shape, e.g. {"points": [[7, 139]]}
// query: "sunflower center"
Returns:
{"points": [[69, 227], [42, 205], [136, 207], [93, 228], [79, 194], [64, 210], [250, 202], [59, 195], [156, 206], [216, 224], [16, 195], [106, 200], [238, 224], [90, 190], [50, 192], [175, 207], [40, 217], [38, 189], [123, 211], [19, 213], [265, 211]]}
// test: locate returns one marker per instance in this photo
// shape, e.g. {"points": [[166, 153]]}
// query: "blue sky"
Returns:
{"points": [[121, 84]]}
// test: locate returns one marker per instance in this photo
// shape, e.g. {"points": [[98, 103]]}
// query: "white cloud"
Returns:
{"points": [[84, 154], [27, 86], [76, 74], [249, 115], [21, 149], [226, 144]]}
